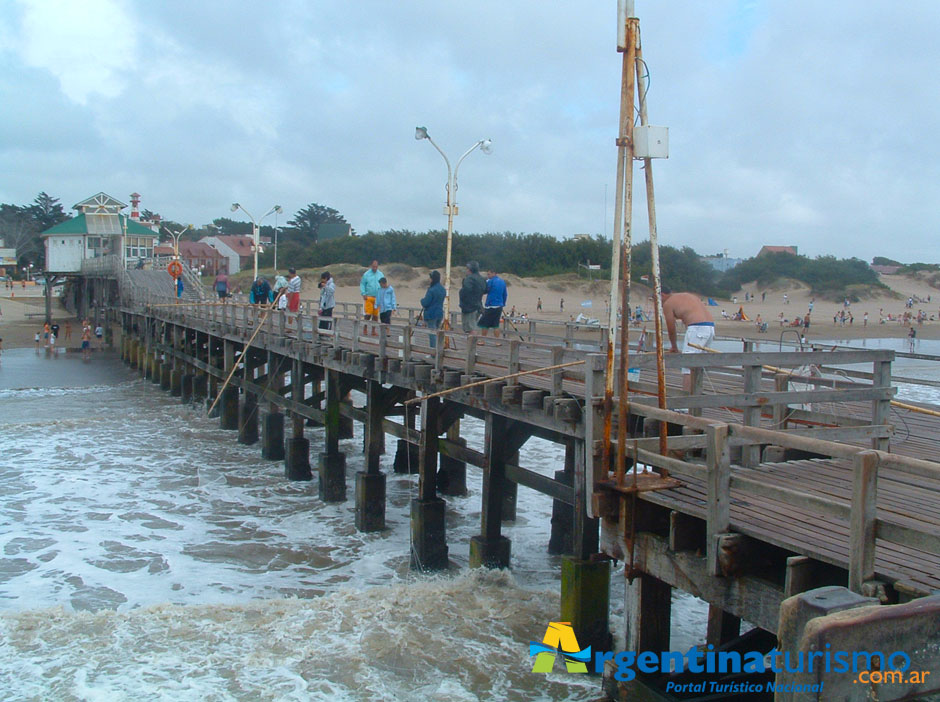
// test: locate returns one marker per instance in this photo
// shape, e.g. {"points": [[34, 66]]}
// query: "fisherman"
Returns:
{"points": [[471, 297], [327, 300], [386, 301], [496, 296], [432, 305], [700, 327], [221, 285]]}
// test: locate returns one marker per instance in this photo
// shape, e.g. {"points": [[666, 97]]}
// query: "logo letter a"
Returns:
{"points": [[558, 635]]}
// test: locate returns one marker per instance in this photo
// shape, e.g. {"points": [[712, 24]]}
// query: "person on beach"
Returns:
{"points": [[369, 289], [386, 301], [37, 342], [538, 305], [86, 342], [99, 336], [68, 330], [327, 300], [470, 297], [45, 334], [432, 305], [700, 327], [293, 290], [496, 296]]}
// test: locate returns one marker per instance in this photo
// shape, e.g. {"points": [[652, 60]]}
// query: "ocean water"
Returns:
{"points": [[145, 554]]}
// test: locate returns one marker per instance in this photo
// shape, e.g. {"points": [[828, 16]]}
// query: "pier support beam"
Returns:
{"points": [[562, 513], [332, 463], [502, 438], [272, 436], [176, 382], [585, 602], [370, 484], [165, 369], [186, 388], [297, 459], [200, 387], [248, 420], [228, 408], [428, 525]]}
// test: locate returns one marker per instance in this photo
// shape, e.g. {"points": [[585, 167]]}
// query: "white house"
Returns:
{"points": [[98, 230]]}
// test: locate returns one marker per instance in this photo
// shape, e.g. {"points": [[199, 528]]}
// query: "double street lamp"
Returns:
{"points": [[450, 209], [256, 229], [176, 238]]}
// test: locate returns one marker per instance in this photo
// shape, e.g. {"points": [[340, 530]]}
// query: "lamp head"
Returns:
{"points": [[421, 133], [278, 209], [486, 146], [235, 206]]}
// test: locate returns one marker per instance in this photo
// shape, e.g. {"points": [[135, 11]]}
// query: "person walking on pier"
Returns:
{"points": [[496, 296], [369, 289], [327, 300], [293, 290], [221, 285], [432, 305], [386, 301], [470, 297]]}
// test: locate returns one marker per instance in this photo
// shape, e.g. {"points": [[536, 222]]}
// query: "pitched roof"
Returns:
{"points": [[239, 244], [102, 202], [198, 249], [91, 224]]}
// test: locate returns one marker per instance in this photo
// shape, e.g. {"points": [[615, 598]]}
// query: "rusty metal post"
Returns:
{"points": [[623, 215], [654, 254]]}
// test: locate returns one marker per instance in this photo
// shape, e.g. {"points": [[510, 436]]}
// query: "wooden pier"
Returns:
{"points": [[780, 477]]}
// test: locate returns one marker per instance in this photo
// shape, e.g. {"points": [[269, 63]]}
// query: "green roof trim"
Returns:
{"points": [[78, 225]]}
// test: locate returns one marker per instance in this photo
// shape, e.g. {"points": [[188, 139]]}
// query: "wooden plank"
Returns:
{"points": [[719, 492]]}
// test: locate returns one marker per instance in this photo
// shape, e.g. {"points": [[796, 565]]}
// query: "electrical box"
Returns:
{"points": [[650, 142]]}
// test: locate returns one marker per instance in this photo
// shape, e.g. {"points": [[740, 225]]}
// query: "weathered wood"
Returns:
{"points": [[719, 492], [864, 514]]}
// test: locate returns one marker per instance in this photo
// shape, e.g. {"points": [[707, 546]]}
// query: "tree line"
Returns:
{"points": [[531, 255]]}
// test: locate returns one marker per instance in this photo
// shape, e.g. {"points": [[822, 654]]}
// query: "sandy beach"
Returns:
{"points": [[21, 316]]}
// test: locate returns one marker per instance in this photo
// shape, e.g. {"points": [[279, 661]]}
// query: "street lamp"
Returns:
{"points": [[450, 209], [255, 229], [176, 238], [276, 213]]}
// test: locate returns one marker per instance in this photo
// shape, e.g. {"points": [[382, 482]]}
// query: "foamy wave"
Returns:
{"points": [[461, 638], [37, 392]]}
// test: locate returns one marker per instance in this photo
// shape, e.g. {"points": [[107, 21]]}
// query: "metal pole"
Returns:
{"points": [[654, 253], [254, 230], [622, 241]]}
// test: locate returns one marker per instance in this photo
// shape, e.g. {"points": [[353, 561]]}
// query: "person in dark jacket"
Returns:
{"points": [[260, 293], [471, 297], [432, 305]]}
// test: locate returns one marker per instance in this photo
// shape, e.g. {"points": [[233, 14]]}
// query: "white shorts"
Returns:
{"points": [[700, 334]]}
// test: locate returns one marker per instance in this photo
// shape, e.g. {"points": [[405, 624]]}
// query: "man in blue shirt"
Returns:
{"points": [[369, 289], [496, 297]]}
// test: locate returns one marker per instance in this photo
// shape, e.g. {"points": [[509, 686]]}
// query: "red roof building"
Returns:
{"points": [[777, 249]]}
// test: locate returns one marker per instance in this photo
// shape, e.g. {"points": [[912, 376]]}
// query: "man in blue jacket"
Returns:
{"points": [[496, 297], [433, 305]]}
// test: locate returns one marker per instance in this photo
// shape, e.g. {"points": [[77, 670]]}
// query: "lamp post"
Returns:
{"points": [[276, 213], [450, 209], [176, 238], [255, 229]]}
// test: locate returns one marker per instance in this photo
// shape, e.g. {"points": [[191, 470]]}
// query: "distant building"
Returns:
{"points": [[777, 249], [237, 250], [201, 257], [721, 263], [98, 230]]}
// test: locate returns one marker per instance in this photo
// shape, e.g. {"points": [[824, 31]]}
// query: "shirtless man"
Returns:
{"points": [[700, 327]]}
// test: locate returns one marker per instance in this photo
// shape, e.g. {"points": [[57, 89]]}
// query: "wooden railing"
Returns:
{"points": [[860, 513]]}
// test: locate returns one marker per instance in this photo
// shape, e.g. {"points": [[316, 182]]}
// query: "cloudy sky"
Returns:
{"points": [[799, 122]]}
